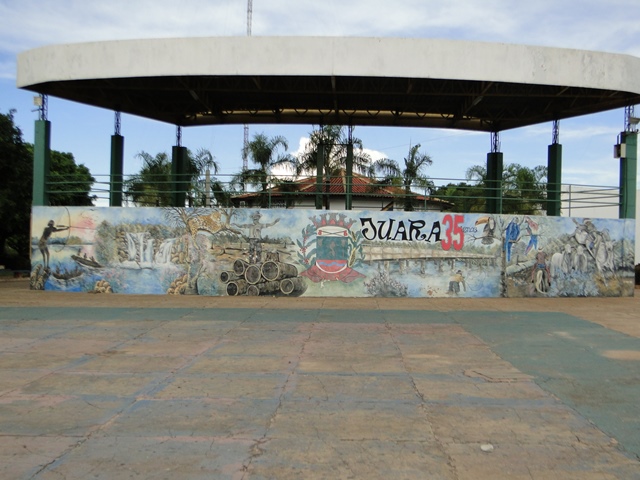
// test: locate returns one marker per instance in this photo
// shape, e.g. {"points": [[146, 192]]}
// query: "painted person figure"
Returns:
{"points": [[255, 236], [533, 230], [44, 241], [455, 281], [511, 236], [541, 264]]}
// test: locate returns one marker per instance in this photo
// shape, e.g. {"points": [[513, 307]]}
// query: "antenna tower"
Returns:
{"points": [[245, 162]]}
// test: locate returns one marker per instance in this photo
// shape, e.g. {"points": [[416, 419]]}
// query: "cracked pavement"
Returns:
{"points": [[120, 387]]}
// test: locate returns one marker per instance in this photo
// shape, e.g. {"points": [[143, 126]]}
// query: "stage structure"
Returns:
{"points": [[347, 81]]}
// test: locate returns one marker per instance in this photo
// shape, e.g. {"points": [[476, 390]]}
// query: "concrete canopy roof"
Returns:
{"points": [[334, 80]]}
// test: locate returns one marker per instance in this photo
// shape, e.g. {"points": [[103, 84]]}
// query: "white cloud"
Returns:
{"points": [[609, 26], [597, 25]]}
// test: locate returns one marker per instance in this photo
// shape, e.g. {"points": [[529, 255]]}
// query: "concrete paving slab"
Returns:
{"points": [[361, 420], [538, 462], [234, 364], [225, 386], [323, 458], [22, 456], [55, 415], [166, 458], [115, 387], [193, 417]]}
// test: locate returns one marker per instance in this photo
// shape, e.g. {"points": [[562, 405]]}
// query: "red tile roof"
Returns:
{"points": [[361, 186]]}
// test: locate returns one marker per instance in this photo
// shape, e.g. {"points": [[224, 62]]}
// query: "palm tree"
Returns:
{"points": [[202, 163], [263, 153], [153, 184], [334, 141], [408, 177]]}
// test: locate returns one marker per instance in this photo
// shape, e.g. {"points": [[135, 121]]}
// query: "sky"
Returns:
{"points": [[611, 26]]}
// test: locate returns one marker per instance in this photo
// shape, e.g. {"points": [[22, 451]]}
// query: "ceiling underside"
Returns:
{"points": [[377, 101]]}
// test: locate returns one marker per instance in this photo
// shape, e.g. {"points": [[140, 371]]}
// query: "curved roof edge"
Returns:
{"points": [[330, 56]]}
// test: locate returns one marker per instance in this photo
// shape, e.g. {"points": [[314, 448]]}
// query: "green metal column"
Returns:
{"points": [[554, 179], [494, 182], [348, 188], [179, 176], [117, 161], [628, 175], [319, 175], [41, 162]]}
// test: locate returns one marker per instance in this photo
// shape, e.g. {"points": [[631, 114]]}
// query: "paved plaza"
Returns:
{"points": [[99, 386]]}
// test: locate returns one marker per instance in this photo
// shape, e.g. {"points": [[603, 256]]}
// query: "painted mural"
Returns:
{"points": [[290, 253]]}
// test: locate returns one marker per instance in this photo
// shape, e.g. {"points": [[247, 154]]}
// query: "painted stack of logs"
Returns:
{"points": [[268, 278]]}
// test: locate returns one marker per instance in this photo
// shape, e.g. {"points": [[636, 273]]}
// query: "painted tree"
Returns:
{"points": [[408, 177]]}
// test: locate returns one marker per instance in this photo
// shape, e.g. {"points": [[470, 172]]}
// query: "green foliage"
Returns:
{"points": [[523, 190], [465, 197], [153, 185], [411, 176], [69, 184], [334, 140], [15, 190], [263, 153]]}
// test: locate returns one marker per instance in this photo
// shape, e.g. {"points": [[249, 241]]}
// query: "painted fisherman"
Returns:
{"points": [[44, 240], [455, 281]]}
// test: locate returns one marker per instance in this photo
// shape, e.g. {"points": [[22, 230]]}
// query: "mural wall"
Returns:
{"points": [[236, 252]]}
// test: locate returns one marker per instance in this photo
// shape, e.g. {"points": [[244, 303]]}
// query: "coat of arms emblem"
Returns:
{"points": [[337, 249]]}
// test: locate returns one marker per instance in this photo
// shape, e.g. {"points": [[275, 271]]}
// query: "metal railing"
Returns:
{"points": [[447, 194]]}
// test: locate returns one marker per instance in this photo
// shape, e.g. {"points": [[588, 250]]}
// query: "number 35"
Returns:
{"points": [[453, 234]]}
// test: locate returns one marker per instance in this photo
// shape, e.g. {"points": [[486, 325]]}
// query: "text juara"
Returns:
{"points": [[400, 230], [417, 231]]}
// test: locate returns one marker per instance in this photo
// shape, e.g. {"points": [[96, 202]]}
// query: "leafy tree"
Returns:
{"points": [[523, 190], [334, 140], [69, 184], [153, 184], [201, 163], [412, 175], [464, 196], [263, 152], [16, 171]]}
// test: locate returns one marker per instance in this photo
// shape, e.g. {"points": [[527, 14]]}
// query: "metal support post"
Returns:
{"points": [[41, 153], [628, 175], [41, 163], [349, 173], [494, 176], [554, 173], [117, 162], [319, 175], [178, 171]]}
